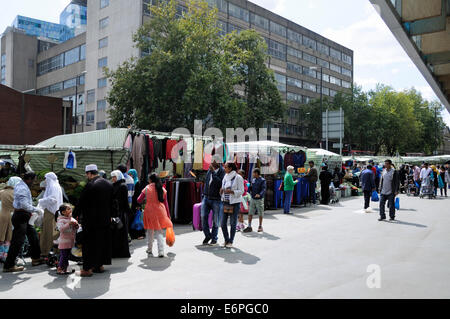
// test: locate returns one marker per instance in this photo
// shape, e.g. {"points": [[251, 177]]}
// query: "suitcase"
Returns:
{"points": [[197, 217]]}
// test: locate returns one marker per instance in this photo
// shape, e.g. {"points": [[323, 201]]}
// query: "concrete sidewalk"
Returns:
{"points": [[321, 252]]}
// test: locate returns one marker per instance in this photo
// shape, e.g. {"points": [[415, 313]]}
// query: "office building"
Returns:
{"points": [[298, 56]]}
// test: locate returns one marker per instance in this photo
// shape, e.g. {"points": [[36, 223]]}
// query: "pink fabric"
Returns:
{"points": [[67, 232], [155, 212]]}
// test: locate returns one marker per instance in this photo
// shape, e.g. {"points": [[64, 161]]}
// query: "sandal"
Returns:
{"points": [[85, 273], [260, 229]]}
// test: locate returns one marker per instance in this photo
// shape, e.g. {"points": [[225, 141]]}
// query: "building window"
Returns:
{"points": [[83, 52], [232, 27], [101, 125], [103, 23], [295, 53], [294, 97], [323, 63], [3, 69], [294, 67], [307, 99], [325, 77], [103, 62], [310, 43], [322, 48], [259, 21], [72, 56], [335, 54], [55, 87], [104, 3], [81, 80], [325, 91], [219, 4], [90, 117], [101, 83], [334, 80], [278, 29], [335, 68], [49, 65], [309, 72], [102, 43], [309, 58], [293, 113], [238, 12], [281, 82], [309, 86], [90, 96], [222, 27], [333, 93], [294, 82], [346, 58], [346, 84], [70, 83], [277, 50], [294, 36], [101, 105], [346, 72]]}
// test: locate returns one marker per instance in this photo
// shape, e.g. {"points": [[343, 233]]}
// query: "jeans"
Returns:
{"points": [[367, 195], [233, 222], [287, 201], [312, 192], [444, 189], [21, 229], [64, 258], [391, 201], [216, 207]]}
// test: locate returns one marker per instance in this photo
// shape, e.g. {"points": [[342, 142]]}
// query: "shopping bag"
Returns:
{"points": [[397, 203], [375, 197], [137, 223], [170, 237]]}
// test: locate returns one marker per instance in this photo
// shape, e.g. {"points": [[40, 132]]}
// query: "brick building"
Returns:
{"points": [[30, 119]]}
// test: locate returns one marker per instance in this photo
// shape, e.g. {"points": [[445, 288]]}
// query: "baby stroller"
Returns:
{"points": [[75, 254], [427, 189], [333, 195], [412, 187]]}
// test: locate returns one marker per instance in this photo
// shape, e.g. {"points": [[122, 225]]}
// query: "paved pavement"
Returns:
{"points": [[324, 252]]}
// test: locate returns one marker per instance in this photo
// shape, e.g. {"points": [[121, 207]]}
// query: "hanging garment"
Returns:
{"points": [[170, 144], [198, 155], [299, 159], [177, 196], [138, 153], [70, 160], [288, 160], [128, 143]]}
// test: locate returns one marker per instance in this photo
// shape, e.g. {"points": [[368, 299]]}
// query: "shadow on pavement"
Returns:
{"points": [[232, 256], [261, 235], [9, 280], [156, 263], [407, 224]]}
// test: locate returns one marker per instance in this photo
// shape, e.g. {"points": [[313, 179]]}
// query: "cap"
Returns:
{"points": [[91, 167]]}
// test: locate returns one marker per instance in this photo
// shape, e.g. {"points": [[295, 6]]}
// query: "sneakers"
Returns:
{"points": [[229, 245], [248, 230], [37, 262], [13, 269], [392, 218], [161, 255], [206, 241], [381, 219], [213, 243], [260, 229], [149, 252]]}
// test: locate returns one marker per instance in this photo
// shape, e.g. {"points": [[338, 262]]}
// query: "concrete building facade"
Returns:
{"points": [[298, 56]]}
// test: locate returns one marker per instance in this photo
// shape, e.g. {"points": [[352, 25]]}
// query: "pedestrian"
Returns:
{"points": [[289, 185], [337, 177], [129, 182], [442, 181], [120, 248], [368, 186], [156, 216], [231, 196], [245, 203], [389, 187], [258, 192], [348, 177], [425, 175], [435, 179], [7, 208], [447, 176], [23, 211], [135, 206], [325, 181], [312, 177], [50, 203], [212, 201], [402, 176], [67, 226], [94, 209], [416, 176]]}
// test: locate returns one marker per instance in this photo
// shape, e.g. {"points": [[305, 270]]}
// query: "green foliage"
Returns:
{"points": [[190, 73]]}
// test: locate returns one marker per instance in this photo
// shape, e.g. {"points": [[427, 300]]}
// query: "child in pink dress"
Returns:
{"points": [[67, 227]]}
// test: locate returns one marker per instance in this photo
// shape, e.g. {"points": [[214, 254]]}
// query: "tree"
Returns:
{"points": [[191, 72]]}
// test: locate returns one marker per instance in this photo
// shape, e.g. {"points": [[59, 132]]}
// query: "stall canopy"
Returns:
{"points": [[320, 156], [259, 146]]}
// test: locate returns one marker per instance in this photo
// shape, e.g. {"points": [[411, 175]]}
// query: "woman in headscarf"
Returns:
{"points": [[120, 248], [6, 199], [50, 202], [139, 185]]}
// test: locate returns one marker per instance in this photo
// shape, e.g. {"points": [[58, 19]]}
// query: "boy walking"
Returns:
{"points": [[257, 190]]}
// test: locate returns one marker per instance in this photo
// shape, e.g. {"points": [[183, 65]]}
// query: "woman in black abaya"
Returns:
{"points": [[120, 248]]}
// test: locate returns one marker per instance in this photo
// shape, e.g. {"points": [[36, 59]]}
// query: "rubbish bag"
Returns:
{"points": [[375, 197], [137, 223], [170, 237], [397, 203]]}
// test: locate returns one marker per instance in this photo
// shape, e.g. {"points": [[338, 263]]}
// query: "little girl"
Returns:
{"points": [[67, 227]]}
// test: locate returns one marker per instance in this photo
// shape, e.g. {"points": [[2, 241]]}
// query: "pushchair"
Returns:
{"points": [[412, 188], [333, 195], [427, 189], [52, 259]]}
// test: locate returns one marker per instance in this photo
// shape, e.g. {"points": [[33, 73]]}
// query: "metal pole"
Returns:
{"points": [[321, 101], [435, 131], [327, 130], [76, 104], [340, 131]]}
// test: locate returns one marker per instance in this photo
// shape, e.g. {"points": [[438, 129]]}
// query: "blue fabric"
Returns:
{"points": [[375, 197], [217, 207], [397, 203], [233, 223], [22, 198], [299, 159], [287, 201], [367, 180], [278, 194], [70, 161], [137, 223], [133, 173], [258, 186]]}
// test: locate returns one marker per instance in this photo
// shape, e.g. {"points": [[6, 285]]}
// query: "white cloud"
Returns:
{"points": [[395, 71]]}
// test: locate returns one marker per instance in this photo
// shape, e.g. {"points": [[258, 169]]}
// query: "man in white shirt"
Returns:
{"points": [[425, 174]]}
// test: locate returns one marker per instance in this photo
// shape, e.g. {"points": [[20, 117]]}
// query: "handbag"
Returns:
{"points": [[170, 237], [228, 208], [116, 223]]}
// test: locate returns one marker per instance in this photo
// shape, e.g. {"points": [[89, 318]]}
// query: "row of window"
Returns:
{"points": [[288, 129], [3, 69], [268, 25], [101, 104], [316, 75], [61, 86], [90, 119], [62, 60]]}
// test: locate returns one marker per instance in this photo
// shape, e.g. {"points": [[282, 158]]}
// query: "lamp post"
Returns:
{"points": [[321, 100], [76, 100]]}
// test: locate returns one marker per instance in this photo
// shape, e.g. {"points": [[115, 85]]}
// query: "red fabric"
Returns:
{"points": [[151, 152], [374, 170], [169, 146]]}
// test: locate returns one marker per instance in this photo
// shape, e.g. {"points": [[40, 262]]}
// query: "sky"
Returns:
{"points": [[378, 57]]}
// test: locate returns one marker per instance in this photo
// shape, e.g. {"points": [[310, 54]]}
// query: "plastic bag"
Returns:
{"points": [[397, 203], [170, 237], [375, 197], [137, 223]]}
